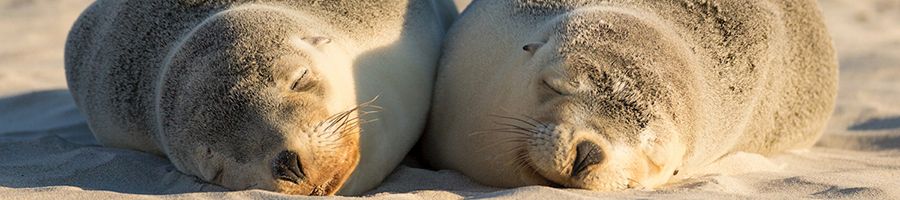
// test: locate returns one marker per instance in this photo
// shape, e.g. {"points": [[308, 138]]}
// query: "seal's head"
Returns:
{"points": [[251, 100], [596, 111]]}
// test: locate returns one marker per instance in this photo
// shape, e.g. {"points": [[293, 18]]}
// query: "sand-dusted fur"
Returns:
{"points": [[260, 94], [609, 95]]}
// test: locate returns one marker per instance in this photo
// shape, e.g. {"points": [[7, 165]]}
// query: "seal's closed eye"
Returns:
{"points": [[318, 40], [546, 84], [532, 47], [303, 83]]}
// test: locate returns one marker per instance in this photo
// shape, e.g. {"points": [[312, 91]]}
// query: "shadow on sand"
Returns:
{"points": [[877, 124], [45, 141]]}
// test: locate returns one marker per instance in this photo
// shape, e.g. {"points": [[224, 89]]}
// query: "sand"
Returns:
{"points": [[47, 151]]}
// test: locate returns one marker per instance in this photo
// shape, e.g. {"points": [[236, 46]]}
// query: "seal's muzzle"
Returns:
{"points": [[286, 166]]}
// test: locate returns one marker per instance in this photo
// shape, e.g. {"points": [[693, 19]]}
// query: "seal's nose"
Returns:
{"points": [[286, 166], [586, 154]]}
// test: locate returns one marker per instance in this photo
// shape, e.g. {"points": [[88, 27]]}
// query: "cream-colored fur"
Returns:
{"points": [[656, 87], [221, 87]]}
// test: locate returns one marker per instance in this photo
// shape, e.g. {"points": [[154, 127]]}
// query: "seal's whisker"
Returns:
{"points": [[369, 104], [513, 138], [343, 123], [348, 127], [519, 162], [500, 129], [364, 113], [522, 163], [355, 123], [514, 119], [630, 181], [484, 131], [343, 119], [523, 134], [334, 127], [511, 124], [516, 133], [334, 119], [478, 133], [372, 100], [348, 123], [337, 123], [506, 129], [520, 159], [533, 120], [515, 149], [520, 128], [528, 128], [379, 108], [499, 143], [368, 121]]}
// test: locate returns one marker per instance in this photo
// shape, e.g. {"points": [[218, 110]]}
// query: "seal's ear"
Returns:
{"points": [[532, 47], [318, 40]]}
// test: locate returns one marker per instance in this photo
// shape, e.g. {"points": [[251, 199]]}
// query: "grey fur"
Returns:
{"points": [[140, 72], [720, 75]]}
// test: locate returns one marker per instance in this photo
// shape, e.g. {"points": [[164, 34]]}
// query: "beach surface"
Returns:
{"points": [[48, 152]]}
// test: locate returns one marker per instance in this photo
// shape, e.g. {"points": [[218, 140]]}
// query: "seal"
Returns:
{"points": [[273, 95], [611, 95]]}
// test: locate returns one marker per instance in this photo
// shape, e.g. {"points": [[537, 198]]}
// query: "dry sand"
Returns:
{"points": [[47, 151]]}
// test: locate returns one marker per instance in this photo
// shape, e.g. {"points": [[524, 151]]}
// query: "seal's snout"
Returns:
{"points": [[586, 154], [286, 166]]}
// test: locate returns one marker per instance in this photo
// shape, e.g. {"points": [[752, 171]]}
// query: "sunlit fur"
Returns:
{"points": [[213, 85], [661, 87]]}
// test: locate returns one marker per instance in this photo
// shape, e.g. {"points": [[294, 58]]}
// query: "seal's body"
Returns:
{"points": [[260, 94], [609, 95]]}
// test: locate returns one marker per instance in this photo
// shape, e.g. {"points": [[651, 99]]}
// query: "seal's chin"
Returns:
{"points": [[310, 186], [613, 177], [569, 157], [307, 189], [616, 171], [595, 178], [532, 176], [317, 175], [316, 163], [291, 177], [318, 172]]}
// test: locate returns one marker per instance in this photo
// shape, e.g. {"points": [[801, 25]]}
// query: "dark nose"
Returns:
{"points": [[286, 166], [586, 154]]}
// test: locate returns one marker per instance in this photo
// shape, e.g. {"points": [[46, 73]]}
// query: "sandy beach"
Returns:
{"points": [[48, 152]]}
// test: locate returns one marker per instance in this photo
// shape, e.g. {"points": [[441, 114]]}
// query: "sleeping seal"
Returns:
{"points": [[267, 94], [616, 94]]}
